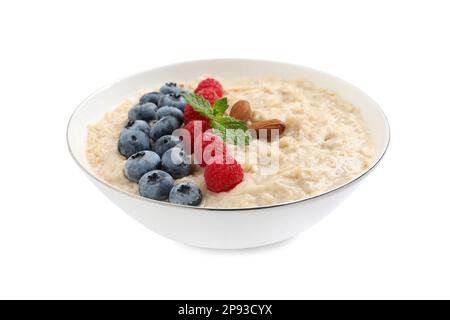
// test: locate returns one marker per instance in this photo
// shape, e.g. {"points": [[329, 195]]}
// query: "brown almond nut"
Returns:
{"points": [[241, 110], [268, 125]]}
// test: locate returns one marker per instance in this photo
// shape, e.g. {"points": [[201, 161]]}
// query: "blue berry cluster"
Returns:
{"points": [[155, 157]]}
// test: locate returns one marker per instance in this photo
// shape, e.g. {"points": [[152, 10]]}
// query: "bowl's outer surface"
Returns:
{"points": [[224, 229]]}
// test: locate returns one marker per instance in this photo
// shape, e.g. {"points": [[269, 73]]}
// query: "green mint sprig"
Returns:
{"points": [[230, 129]]}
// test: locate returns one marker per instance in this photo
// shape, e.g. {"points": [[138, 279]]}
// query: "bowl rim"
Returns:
{"points": [[374, 163]]}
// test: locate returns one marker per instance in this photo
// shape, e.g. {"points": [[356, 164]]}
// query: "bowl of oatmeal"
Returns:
{"points": [[327, 135]]}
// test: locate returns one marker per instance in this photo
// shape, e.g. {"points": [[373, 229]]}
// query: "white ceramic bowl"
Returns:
{"points": [[222, 228]]}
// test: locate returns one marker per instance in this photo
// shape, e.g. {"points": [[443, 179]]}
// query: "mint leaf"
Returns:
{"points": [[231, 123], [220, 106], [199, 104], [231, 130], [219, 129]]}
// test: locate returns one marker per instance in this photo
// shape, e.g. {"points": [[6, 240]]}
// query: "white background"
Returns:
{"points": [[61, 238]]}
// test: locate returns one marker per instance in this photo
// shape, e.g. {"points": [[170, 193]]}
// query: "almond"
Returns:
{"points": [[268, 125], [241, 110]]}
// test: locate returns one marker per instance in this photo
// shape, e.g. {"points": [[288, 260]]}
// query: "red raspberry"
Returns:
{"points": [[190, 115], [209, 148], [223, 176], [209, 94], [210, 83], [190, 127], [220, 155]]}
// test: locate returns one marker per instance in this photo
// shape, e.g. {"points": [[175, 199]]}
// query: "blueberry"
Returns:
{"points": [[170, 111], [156, 185], [140, 163], [165, 143], [173, 100], [139, 125], [165, 125], [186, 193], [152, 97], [146, 112], [170, 87], [132, 141], [176, 162]]}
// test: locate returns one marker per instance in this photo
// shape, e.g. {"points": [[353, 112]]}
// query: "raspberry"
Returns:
{"points": [[190, 127], [223, 176], [209, 94], [190, 115], [211, 83], [220, 155], [209, 148]]}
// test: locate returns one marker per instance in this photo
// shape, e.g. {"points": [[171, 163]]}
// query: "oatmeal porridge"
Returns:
{"points": [[325, 144]]}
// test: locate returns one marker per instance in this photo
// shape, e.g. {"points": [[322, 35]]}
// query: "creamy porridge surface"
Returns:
{"points": [[325, 144]]}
